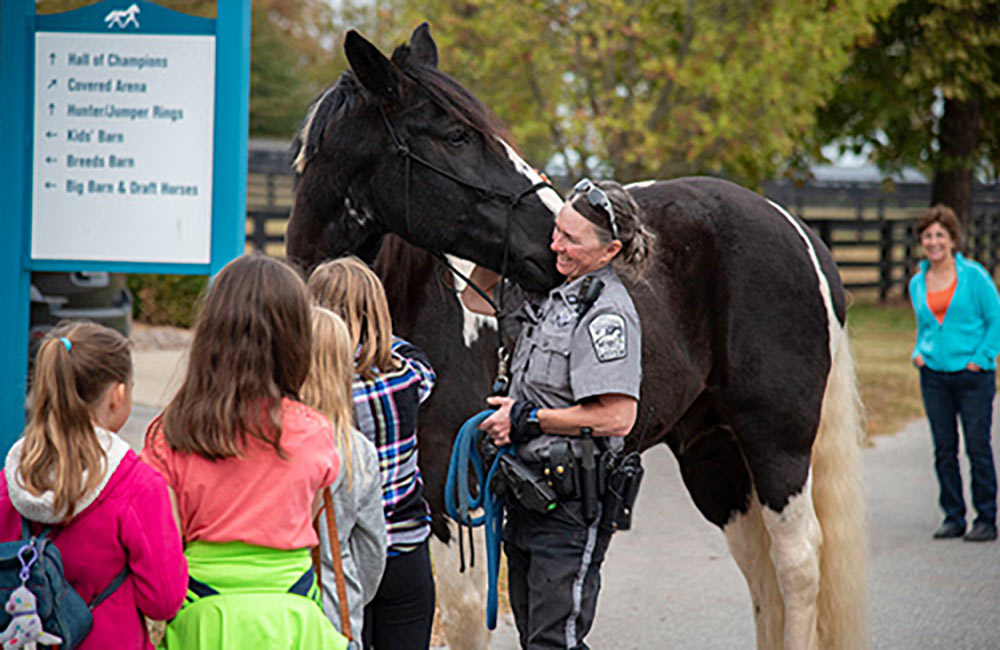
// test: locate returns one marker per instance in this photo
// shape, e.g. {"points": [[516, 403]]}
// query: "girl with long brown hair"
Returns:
{"points": [[246, 461], [391, 379], [108, 513]]}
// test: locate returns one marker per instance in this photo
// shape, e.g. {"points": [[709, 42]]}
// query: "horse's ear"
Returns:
{"points": [[375, 72], [422, 46]]}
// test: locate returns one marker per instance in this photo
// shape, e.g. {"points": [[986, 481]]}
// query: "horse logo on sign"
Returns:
{"points": [[122, 17]]}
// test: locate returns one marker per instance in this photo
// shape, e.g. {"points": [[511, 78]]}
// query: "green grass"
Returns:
{"points": [[882, 337]]}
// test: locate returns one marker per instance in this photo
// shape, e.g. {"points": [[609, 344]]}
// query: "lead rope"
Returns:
{"points": [[459, 501]]}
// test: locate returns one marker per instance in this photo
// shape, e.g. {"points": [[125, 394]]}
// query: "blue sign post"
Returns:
{"points": [[127, 128]]}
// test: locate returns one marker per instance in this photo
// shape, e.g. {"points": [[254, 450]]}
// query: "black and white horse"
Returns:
{"points": [[746, 361]]}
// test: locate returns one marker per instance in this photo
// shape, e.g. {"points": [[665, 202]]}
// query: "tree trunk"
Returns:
{"points": [[959, 141]]}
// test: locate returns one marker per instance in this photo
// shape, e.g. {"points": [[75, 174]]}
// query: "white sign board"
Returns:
{"points": [[123, 147]]}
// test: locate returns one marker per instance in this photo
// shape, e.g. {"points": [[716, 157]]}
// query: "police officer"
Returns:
{"points": [[576, 366]]}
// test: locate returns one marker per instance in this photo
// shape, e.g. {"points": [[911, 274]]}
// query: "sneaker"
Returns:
{"points": [[949, 530], [981, 532]]}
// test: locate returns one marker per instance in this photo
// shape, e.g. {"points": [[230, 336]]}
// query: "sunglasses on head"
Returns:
{"points": [[599, 199]]}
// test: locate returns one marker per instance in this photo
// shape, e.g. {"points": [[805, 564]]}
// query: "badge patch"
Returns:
{"points": [[607, 334]]}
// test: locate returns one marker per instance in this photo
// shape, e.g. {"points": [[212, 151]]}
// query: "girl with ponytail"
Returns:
{"points": [[107, 511]]}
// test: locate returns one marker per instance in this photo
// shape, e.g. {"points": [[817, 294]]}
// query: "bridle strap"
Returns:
{"points": [[402, 148]]}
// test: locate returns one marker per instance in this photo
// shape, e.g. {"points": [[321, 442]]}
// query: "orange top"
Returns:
{"points": [[938, 301], [256, 498]]}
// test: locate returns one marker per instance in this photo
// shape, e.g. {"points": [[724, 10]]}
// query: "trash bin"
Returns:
{"points": [[96, 296]]}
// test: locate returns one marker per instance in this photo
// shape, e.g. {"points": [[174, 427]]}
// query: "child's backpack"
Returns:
{"points": [[34, 562]]}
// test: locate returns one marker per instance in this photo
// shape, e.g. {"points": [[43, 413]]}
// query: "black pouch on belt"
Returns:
{"points": [[561, 472], [621, 490], [526, 486]]}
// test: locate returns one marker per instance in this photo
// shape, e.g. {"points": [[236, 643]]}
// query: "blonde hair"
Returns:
{"points": [[76, 365], [328, 385], [347, 287]]}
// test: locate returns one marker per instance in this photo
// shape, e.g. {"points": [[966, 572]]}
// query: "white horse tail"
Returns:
{"points": [[839, 502]]}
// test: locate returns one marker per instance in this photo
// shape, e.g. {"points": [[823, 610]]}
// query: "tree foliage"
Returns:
{"points": [[923, 91], [649, 88]]}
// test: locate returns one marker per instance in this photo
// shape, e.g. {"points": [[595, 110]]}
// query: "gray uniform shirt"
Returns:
{"points": [[561, 360], [362, 535]]}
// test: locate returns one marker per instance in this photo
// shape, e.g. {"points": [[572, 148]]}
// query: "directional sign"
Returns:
{"points": [[123, 147]]}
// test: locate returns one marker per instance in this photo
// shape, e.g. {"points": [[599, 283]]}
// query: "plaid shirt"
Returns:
{"points": [[385, 409]]}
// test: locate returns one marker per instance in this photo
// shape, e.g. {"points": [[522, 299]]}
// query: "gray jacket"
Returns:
{"points": [[362, 534]]}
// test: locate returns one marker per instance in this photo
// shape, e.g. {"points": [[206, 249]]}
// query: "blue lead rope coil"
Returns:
{"points": [[459, 502]]}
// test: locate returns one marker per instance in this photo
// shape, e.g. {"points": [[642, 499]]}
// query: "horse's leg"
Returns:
{"points": [[750, 546], [461, 596], [812, 507], [783, 481], [716, 475], [795, 546]]}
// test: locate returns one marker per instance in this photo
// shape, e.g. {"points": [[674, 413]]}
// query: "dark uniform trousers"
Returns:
{"points": [[554, 562]]}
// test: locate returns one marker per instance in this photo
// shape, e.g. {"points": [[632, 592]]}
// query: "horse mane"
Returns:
{"points": [[340, 99], [331, 106], [404, 270]]}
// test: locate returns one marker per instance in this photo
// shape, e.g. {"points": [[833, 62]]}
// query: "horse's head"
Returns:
{"points": [[398, 146]]}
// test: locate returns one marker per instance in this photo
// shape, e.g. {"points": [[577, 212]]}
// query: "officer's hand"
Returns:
{"points": [[497, 426]]}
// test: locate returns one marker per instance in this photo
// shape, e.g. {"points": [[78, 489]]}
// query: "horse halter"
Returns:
{"points": [[402, 148]]}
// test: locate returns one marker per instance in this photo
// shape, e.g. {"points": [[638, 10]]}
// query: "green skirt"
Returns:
{"points": [[244, 597]]}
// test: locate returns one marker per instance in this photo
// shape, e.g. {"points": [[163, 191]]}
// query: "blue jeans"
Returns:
{"points": [[967, 395]]}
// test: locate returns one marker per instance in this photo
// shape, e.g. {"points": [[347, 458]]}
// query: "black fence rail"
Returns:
{"points": [[868, 226], [266, 229]]}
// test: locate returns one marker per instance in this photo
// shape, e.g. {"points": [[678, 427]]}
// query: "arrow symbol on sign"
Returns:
{"points": [[52, 58], [52, 109], [50, 134], [49, 185], [50, 159], [51, 83]]}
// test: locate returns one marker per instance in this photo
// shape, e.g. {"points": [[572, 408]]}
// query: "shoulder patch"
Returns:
{"points": [[607, 334]]}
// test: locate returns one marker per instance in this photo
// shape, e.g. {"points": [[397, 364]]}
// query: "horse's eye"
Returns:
{"points": [[458, 137]]}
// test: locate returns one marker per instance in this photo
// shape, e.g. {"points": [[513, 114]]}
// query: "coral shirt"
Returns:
{"points": [[257, 498], [938, 301]]}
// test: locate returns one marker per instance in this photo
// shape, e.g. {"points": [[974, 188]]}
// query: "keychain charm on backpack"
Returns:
{"points": [[25, 627]]}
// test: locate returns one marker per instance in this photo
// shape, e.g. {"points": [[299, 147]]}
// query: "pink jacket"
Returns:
{"points": [[129, 520]]}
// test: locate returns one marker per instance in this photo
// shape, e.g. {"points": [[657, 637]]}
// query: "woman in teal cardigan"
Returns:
{"points": [[958, 337]]}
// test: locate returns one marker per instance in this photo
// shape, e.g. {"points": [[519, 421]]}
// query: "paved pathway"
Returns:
{"points": [[670, 582]]}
